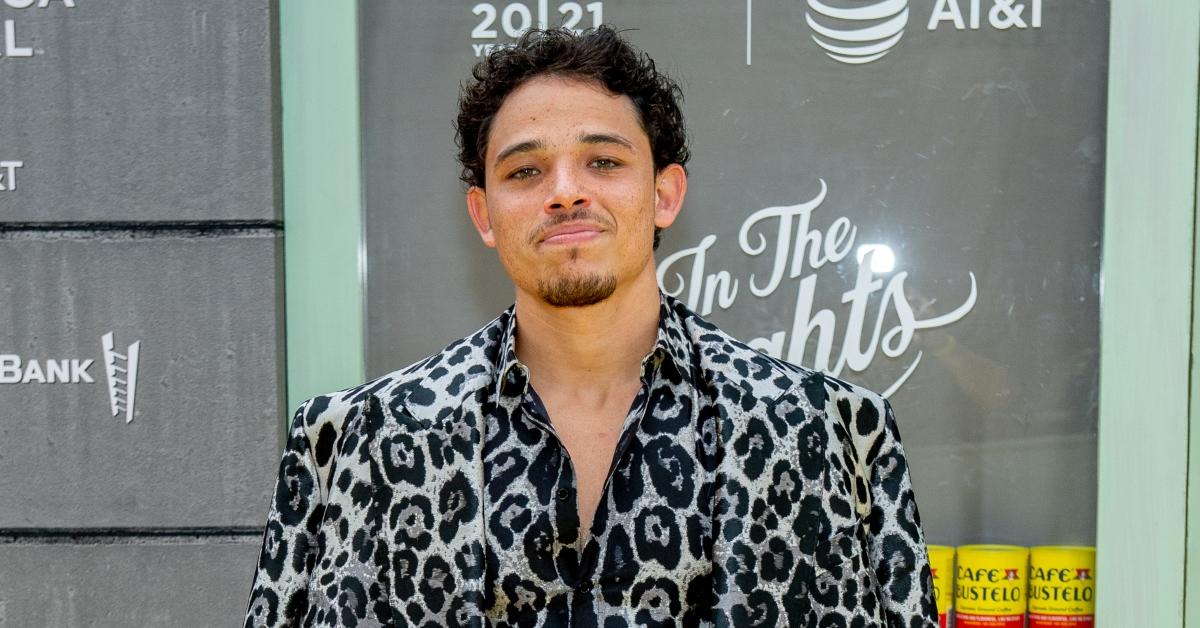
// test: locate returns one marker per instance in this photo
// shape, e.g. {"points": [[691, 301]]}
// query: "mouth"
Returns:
{"points": [[571, 233]]}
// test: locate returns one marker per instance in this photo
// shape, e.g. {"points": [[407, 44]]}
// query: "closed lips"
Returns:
{"points": [[572, 232]]}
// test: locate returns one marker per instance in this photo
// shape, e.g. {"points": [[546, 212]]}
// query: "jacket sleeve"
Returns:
{"points": [[895, 543], [279, 593]]}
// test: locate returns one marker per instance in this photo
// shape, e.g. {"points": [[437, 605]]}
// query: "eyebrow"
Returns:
{"points": [[604, 138], [590, 138], [522, 147]]}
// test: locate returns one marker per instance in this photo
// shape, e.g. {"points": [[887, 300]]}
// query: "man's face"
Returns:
{"points": [[572, 198]]}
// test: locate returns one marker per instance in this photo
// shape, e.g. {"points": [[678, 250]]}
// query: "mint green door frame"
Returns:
{"points": [[322, 197], [1147, 321], [1189, 40], [1149, 547]]}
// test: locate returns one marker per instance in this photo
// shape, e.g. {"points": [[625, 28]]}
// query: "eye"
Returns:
{"points": [[523, 173], [604, 163]]}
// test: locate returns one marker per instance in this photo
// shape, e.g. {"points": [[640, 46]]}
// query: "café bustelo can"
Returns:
{"points": [[990, 585], [941, 566], [1062, 587]]}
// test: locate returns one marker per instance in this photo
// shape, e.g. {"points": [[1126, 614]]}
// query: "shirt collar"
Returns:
{"points": [[670, 348], [511, 376]]}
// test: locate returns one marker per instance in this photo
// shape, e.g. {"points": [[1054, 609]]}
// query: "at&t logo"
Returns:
{"points": [[860, 34], [861, 31], [1001, 15]]}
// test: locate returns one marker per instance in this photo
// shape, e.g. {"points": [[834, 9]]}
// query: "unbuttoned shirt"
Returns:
{"points": [[653, 523], [743, 491]]}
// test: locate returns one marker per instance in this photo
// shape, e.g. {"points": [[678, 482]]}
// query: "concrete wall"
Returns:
{"points": [[139, 223]]}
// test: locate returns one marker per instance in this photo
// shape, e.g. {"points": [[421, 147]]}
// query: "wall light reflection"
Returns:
{"points": [[883, 260]]}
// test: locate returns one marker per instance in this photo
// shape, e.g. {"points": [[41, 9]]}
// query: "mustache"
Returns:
{"points": [[579, 215]]}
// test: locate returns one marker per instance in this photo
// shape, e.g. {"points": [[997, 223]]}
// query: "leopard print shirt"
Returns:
{"points": [[744, 491]]}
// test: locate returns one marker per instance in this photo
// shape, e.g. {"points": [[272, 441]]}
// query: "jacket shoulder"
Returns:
{"points": [[429, 389], [442, 380], [731, 365]]}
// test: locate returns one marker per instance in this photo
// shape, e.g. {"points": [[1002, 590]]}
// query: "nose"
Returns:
{"points": [[567, 192]]}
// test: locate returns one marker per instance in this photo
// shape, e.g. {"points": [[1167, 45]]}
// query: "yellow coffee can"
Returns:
{"points": [[990, 585], [1062, 586], [941, 566]]}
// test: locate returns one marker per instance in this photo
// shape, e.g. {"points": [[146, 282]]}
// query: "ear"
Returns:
{"points": [[477, 207], [670, 186]]}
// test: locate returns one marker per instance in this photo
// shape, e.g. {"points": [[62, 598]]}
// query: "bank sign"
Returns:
{"points": [[120, 372]]}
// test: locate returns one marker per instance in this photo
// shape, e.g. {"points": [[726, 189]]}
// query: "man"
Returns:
{"points": [[598, 455]]}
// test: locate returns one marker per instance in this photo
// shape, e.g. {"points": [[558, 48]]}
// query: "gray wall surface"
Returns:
{"points": [[140, 110], [185, 582], [204, 430], [142, 226], [972, 149]]}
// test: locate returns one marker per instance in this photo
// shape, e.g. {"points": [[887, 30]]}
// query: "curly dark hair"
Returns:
{"points": [[599, 54]]}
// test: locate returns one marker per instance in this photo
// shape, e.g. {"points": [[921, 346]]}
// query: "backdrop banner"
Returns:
{"points": [[906, 194]]}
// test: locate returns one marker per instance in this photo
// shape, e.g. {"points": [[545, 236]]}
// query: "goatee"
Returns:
{"points": [[578, 291]]}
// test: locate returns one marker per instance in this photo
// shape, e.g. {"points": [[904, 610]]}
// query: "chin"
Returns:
{"points": [[577, 290]]}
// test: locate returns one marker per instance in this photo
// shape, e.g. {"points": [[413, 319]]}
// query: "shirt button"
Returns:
{"points": [[586, 587], [562, 494]]}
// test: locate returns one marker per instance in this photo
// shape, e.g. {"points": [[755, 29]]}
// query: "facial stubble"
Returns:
{"points": [[577, 290]]}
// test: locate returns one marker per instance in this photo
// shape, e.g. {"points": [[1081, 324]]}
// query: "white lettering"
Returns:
{"points": [[894, 294], [11, 49], [58, 371], [807, 240], [484, 29], [516, 19], [837, 236], [8, 179], [481, 50], [946, 11], [1004, 15], [783, 240], [25, 4], [703, 290], [33, 373], [802, 327], [10, 368], [722, 286], [697, 275], [64, 371], [79, 372], [864, 286]]}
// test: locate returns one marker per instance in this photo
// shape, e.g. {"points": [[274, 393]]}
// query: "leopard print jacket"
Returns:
{"points": [[382, 517]]}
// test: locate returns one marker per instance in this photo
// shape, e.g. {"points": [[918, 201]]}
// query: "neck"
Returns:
{"points": [[596, 347]]}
